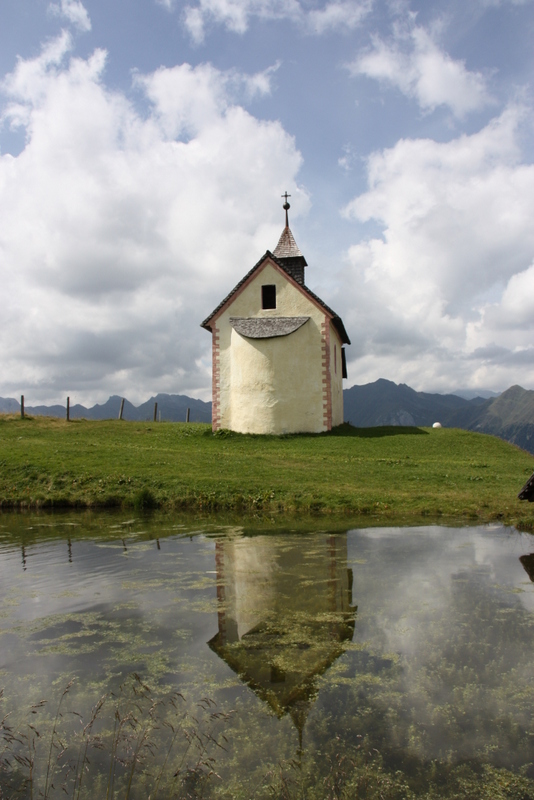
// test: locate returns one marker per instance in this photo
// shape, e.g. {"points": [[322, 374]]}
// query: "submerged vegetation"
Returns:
{"points": [[372, 664], [136, 745], [391, 473], [133, 745]]}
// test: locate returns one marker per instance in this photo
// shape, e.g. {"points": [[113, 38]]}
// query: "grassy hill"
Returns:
{"points": [[394, 474], [509, 416]]}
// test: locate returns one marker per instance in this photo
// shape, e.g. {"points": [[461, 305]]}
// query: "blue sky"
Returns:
{"points": [[144, 146]]}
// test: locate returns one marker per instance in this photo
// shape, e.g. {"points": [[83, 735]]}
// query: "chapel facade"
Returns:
{"points": [[278, 350]]}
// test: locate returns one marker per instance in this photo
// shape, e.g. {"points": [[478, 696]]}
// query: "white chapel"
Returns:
{"points": [[278, 350]]}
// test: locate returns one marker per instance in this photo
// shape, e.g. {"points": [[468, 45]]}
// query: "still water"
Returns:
{"points": [[372, 663]]}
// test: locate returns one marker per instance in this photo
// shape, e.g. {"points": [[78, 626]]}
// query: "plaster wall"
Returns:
{"points": [[336, 374], [247, 569], [272, 385]]}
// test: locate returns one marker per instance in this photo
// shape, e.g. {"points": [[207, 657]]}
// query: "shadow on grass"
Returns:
{"points": [[346, 429]]}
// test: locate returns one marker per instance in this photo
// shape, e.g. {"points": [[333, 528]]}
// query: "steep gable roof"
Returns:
{"points": [[336, 320]]}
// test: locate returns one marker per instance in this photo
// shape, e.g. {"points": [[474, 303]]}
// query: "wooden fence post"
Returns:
{"points": [[187, 415], [155, 412], [122, 408], [22, 406], [68, 409]]}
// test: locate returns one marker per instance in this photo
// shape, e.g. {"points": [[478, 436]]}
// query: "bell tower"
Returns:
{"points": [[287, 251]]}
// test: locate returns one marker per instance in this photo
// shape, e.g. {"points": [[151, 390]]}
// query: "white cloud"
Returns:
{"points": [[122, 230], [337, 16], [185, 99], [517, 306], [74, 11], [236, 15], [452, 274], [413, 63]]}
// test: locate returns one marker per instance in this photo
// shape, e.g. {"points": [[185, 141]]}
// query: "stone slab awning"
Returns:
{"points": [[266, 327]]}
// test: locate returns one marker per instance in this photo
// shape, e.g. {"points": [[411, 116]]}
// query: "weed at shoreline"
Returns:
{"points": [[134, 745]]}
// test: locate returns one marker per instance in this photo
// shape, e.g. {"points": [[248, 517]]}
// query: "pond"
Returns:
{"points": [[155, 657]]}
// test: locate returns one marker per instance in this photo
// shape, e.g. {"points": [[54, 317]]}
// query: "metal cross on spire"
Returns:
{"points": [[286, 207]]}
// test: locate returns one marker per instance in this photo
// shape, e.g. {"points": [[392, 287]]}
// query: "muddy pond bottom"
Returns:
{"points": [[149, 658]]}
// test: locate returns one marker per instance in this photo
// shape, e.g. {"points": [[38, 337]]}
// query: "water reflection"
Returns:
{"points": [[285, 613], [528, 565], [434, 692]]}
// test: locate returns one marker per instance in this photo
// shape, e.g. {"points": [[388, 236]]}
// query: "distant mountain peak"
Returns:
{"points": [[509, 415]]}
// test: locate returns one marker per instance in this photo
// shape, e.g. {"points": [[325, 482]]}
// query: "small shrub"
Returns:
{"points": [[223, 433], [144, 498]]}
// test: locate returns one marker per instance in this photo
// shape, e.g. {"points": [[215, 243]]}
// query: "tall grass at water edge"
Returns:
{"points": [[135, 746]]}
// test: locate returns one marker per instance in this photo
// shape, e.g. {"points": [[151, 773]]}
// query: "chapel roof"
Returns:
{"points": [[336, 320], [289, 258], [287, 246]]}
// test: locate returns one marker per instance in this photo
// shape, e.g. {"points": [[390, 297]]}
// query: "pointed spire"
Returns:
{"points": [[287, 251], [287, 246]]}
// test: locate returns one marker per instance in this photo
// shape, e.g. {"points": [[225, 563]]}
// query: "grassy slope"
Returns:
{"points": [[395, 474]]}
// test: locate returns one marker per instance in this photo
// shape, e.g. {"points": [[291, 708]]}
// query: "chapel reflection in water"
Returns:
{"points": [[285, 614]]}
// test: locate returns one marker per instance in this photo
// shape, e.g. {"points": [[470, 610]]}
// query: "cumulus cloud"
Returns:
{"points": [[337, 16], [186, 99], [74, 12], [121, 229], [452, 274], [414, 63], [235, 15]]}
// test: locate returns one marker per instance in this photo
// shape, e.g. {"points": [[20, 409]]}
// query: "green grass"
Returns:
{"points": [[391, 474]]}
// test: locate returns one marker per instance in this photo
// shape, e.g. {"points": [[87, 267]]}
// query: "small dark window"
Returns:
{"points": [[268, 296], [343, 363]]}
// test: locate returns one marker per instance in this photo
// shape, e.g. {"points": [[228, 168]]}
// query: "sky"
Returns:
{"points": [[145, 146]]}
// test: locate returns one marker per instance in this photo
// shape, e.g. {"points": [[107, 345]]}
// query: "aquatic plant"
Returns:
{"points": [[134, 745], [424, 693], [138, 745]]}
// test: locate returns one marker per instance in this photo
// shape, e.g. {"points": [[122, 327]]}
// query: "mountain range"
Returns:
{"points": [[171, 407], [509, 415]]}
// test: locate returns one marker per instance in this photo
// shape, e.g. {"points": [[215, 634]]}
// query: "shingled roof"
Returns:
{"points": [[266, 327], [336, 320], [287, 246]]}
